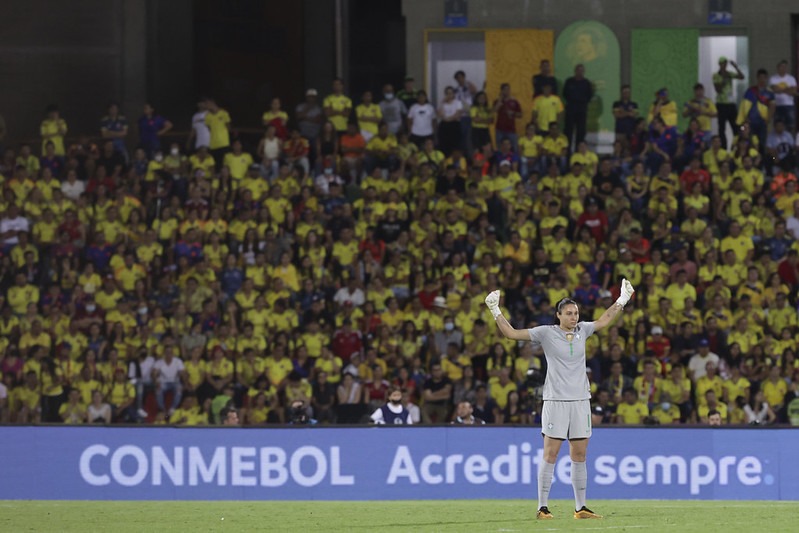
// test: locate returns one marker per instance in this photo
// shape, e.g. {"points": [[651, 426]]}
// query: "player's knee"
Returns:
{"points": [[577, 457]]}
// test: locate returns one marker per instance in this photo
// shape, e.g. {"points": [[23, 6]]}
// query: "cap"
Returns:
{"points": [[722, 59], [440, 301], [504, 163], [311, 92], [657, 330], [704, 342], [597, 410]]}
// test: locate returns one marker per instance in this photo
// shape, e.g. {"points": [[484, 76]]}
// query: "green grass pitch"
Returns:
{"points": [[379, 516]]}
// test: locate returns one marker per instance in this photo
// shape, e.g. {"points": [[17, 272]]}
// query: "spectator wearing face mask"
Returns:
{"points": [[393, 110], [393, 412]]}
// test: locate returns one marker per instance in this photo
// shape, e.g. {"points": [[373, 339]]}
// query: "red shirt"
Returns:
{"points": [[346, 344], [377, 390], [788, 273], [597, 223], [689, 177], [427, 298], [376, 247], [506, 115], [659, 347]]}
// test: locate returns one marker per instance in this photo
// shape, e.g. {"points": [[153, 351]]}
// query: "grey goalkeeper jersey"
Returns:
{"points": [[565, 352]]}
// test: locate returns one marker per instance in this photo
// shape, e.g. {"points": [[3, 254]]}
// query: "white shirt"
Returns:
{"points": [[272, 148], [73, 190], [697, 364], [792, 225], [787, 81], [377, 416], [323, 182], [415, 412], [423, 117], [448, 109], [168, 373], [464, 95], [202, 135], [760, 416], [146, 368], [14, 224], [356, 297]]}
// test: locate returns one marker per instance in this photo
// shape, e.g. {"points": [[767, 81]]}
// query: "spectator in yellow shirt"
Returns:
{"points": [[517, 249], [53, 129], [775, 388], [338, 106], [631, 411]]}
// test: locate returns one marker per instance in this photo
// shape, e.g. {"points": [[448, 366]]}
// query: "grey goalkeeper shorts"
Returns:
{"points": [[566, 419]]}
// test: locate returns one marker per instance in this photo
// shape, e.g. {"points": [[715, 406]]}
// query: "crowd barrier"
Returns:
{"points": [[388, 463]]}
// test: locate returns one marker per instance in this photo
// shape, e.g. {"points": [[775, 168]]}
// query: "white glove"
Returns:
{"points": [[492, 301], [626, 292]]}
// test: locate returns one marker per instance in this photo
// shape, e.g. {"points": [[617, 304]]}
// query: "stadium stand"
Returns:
{"points": [[350, 249]]}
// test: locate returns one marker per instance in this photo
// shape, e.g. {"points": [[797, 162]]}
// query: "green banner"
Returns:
{"points": [[664, 58], [595, 46]]}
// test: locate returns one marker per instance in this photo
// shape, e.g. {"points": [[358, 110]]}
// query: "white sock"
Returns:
{"points": [[545, 474], [579, 484]]}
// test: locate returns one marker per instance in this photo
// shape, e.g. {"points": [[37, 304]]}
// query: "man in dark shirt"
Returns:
{"points": [[540, 267], [605, 179], [323, 398], [625, 112], [437, 393], [484, 406], [450, 180], [465, 417], [577, 93], [543, 78]]}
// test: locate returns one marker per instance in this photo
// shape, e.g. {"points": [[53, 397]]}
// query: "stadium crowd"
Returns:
{"points": [[350, 251]]}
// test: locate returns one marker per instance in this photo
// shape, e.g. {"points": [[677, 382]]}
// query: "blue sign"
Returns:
{"points": [[382, 463], [719, 12], [456, 13]]}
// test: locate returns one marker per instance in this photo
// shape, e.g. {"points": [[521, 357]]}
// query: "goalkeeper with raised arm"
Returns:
{"points": [[567, 396]]}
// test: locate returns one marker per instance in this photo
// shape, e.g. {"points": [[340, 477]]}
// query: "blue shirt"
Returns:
{"points": [[586, 296], [148, 132], [192, 251], [119, 123], [231, 281], [99, 256]]}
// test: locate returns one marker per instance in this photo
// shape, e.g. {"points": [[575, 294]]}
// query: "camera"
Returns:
{"points": [[532, 390], [298, 415]]}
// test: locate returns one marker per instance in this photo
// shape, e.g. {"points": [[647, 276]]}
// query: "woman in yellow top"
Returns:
{"points": [[482, 118], [258, 413], [53, 129], [586, 157], [287, 272], [195, 369]]}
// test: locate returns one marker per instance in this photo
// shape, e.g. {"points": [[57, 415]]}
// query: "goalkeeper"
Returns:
{"points": [[567, 409]]}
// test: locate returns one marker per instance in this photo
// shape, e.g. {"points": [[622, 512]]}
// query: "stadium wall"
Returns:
{"points": [[387, 463], [767, 23]]}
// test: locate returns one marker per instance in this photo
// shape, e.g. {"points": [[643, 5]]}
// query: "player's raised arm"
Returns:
{"points": [[492, 301], [610, 314]]}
